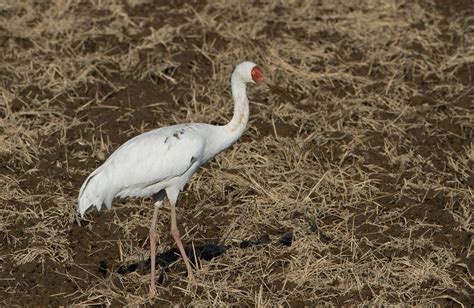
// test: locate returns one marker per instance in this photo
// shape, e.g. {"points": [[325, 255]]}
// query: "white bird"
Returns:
{"points": [[158, 163]]}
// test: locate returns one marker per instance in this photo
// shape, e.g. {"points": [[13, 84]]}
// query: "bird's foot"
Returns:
{"points": [[192, 283], [190, 272], [152, 292]]}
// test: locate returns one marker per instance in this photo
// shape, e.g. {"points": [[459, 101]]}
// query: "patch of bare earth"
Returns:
{"points": [[361, 146]]}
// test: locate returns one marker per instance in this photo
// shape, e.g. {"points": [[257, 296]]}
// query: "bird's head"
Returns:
{"points": [[249, 72]]}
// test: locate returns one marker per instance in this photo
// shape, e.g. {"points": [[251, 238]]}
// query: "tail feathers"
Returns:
{"points": [[94, 192]]}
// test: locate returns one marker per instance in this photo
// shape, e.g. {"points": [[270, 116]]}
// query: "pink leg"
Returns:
{"points": [[153, 248], [177, 239]]}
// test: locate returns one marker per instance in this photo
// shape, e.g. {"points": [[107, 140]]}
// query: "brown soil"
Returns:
{"points": [[356, 168]]}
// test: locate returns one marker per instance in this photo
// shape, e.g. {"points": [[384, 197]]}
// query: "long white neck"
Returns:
{"points": [[222, 137], [232, 131]]}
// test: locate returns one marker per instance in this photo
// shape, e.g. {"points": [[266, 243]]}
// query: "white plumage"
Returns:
{"points": [[158, 163], [164, 158]]}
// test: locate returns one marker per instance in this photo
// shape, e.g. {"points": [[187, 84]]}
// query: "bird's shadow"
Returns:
{"points": [[205, 252]]}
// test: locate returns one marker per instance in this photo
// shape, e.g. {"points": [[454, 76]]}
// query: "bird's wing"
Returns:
{"points": [[155, 156]]}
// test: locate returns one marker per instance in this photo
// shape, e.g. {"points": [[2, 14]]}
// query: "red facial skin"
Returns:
{"points": [[257, 75]]}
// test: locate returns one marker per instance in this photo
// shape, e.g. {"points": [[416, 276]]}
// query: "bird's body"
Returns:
{"points": [[161, 159], [158, 163]]}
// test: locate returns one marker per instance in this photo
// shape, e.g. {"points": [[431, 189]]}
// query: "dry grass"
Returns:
{"points": [[361, 146]]}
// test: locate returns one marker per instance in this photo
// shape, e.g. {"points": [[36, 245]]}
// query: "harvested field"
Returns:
{"points": [[353, 183]]}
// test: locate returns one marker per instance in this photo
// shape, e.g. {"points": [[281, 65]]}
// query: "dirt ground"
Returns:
{"points": [[360, 147]]}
